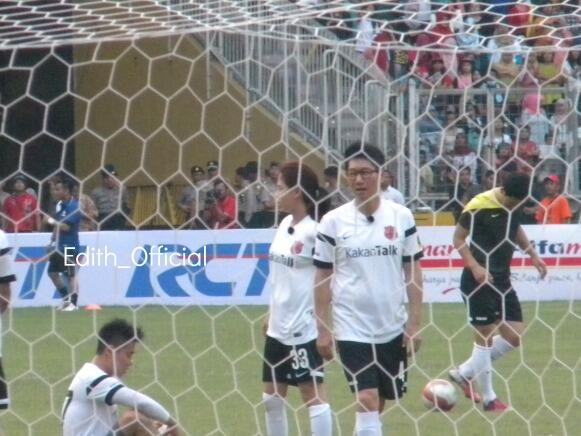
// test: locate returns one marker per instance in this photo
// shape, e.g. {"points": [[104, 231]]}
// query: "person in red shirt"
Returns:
{"points": [[21, 209], [527, 151], [554, 208], [222, 207], [438, 74]]}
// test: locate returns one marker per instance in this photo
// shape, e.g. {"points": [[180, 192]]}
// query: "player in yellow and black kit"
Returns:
{"points": [[491, 221]]}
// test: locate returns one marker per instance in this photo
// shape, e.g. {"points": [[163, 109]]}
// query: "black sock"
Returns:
{"points": [[74, 298], [63, 292], [3, 389]]}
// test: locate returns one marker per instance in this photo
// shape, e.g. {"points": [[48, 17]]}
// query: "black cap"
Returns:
{"points": [[196, 169], [212, 165], [20, 177], [109, 170]]}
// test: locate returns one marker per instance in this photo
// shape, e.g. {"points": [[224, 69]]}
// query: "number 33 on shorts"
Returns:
{"points": [[300, 359]]}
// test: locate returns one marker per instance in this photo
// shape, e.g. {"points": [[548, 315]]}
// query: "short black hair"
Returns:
{"points": [[67, 183], [517, 185], [117, 333], [466, 169], [362, 150], [251, 167], [220, 181], [488, 173], [331, 171]]}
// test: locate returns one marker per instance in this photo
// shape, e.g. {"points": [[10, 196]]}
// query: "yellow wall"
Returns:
{"points": [[158, 106]]}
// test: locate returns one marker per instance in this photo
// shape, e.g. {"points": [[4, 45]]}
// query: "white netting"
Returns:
{"points": [[156, 88], [36, 23]]}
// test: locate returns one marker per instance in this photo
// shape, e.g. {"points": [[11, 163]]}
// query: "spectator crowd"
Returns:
{"points": [[212, 201], [493, 81], [23, 208], [497, 85]]}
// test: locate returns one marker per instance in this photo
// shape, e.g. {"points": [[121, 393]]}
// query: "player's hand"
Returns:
{"points": [[540, 265], [325, 344], [481, 275], [265, 324], [168, 429], [412, 338]]}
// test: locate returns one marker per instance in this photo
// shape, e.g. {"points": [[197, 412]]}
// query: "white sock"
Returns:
{"points": [[276, 421], [466, 370], [321, 420], [367, 424], [500, 347], [482, 366]]}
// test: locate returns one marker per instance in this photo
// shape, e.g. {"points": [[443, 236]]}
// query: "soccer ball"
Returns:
{"points": [[439, 394]]}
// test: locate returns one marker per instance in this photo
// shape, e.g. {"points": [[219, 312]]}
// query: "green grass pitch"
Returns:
{"points": [[204, 364]]}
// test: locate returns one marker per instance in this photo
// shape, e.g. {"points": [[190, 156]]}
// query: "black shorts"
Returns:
{"points": [[291, 364], [56, 263], [490, 303], [376, 366]]}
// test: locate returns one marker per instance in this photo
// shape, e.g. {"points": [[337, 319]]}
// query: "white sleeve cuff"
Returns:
{"points": [[142, 403]]}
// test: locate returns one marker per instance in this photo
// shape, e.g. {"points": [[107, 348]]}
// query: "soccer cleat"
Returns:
{"points": [[465, 385], [70, 307], [62, 306], [495, 406], [64, 303]]}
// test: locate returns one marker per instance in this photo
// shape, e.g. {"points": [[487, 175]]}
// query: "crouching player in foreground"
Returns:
{"points": [[90, 408]]}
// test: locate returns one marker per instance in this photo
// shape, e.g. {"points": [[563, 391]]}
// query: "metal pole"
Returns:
{"points": [[325, 132], [400, 116], [572, 126], [339, 86], [489, 152], [413, 144]]}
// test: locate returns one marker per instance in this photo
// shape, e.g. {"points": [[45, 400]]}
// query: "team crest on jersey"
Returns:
{"points": [[297, 247], [390, 232]]}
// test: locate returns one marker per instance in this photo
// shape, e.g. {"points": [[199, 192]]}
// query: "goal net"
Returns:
{"points": [[153, 109]]}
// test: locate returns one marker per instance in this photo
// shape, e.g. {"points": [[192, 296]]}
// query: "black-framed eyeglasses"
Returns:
{"points": [[364, 173]]}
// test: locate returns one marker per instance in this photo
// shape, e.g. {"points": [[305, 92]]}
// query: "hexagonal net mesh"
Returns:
{"points": [[171, 120]]}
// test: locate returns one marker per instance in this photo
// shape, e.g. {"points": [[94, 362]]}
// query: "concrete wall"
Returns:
{"points": [[157, 106]]}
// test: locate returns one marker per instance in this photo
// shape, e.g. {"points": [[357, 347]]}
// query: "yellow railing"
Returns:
{"points": [[154, 206]]}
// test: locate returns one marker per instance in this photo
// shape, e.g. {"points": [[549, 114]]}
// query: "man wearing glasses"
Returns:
{"points": [[367, 257]]}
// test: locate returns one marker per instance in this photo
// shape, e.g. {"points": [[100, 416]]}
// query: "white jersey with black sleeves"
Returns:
{"points": [[88, 409], [367, 254], [291, 281]]}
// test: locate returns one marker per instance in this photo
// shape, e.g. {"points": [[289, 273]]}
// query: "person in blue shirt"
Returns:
{"points": [[65, 236]]}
